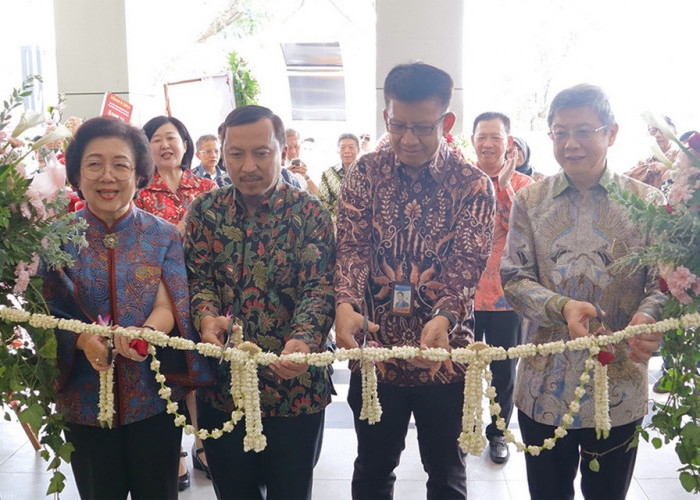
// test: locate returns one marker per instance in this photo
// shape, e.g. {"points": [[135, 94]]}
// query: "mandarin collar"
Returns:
{"points": [[118, 225]]}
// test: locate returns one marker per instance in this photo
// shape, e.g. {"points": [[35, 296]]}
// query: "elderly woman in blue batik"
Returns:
{"points": [[132, 271]]}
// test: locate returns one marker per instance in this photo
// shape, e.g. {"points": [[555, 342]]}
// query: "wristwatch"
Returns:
{"points": [[450, 317]]}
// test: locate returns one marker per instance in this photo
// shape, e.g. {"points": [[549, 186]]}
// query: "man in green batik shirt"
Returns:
{"points": [[266, 251]]}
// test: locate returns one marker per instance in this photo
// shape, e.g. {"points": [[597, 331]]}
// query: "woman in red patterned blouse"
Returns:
{"points": [[169, 196], [174, 186]]}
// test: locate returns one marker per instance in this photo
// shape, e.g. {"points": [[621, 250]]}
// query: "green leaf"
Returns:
{"points": [[48, 350], [32, 416], [58, 482], [594, 465], [65, 451], [689, 481], [656, 442]]}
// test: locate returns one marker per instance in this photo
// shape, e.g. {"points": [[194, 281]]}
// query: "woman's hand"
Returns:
{"points": [[121, 346], [96, 350]]}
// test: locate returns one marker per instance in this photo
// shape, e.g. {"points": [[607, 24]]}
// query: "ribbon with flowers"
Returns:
{"points": [[245, 357]]}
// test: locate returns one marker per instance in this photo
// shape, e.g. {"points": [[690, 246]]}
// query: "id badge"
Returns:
{"points": [[401, 299]]}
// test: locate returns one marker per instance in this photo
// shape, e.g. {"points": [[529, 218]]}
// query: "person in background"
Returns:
{"points": [[277, 276], [332, 177], [293, 162], [523, 163], [565, 232], [495, 321], [107, 162], [416, 219], [169, 196], [651, 170], [365, 143], [174, 185], [208, 151]]}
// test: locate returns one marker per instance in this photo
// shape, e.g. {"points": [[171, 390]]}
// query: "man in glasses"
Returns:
{"points": [[413, 219], [495, 321], [565, 232], [208, 151]]}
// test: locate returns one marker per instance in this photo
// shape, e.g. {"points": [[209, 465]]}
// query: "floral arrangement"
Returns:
{"points": [[675, 233], [30, 206]]}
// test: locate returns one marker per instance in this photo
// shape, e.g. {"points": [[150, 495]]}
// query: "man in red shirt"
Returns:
{"points": [[495, 321]]}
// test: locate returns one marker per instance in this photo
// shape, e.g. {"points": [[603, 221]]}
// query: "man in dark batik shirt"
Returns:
{"points": [[266, 250], [414, 219]]}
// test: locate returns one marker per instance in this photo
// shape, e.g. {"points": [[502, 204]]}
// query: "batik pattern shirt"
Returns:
{"points": [[653, 172], [331, 180], [489, 294], [158, 199], [275, 271], [433, 233], [118, 275], [560, 246]]}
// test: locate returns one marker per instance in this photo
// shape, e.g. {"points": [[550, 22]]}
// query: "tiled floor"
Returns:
{"points": [[23, 476]]}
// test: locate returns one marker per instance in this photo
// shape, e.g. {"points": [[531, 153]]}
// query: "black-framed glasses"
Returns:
{"points": [[580, 134], [94, 171], [364, 138], [421, 130]]}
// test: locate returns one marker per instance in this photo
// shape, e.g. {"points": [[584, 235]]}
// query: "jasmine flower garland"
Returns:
{"points": [[245, 357]]}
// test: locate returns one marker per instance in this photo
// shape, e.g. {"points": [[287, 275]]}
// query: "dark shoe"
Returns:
{"points": [[197, 462], [183, 482], [498, 450], [658, 390]]}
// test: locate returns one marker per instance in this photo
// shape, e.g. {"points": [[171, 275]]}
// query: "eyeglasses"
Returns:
{"points": [[364, 138], [580, 134], [209, 151], [94, 171], [422, 130]]}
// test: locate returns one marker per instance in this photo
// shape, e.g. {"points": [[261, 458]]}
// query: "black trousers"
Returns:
{"points": [[284, 469], [437, 410], [140, 458], [551, 474], [500, 329]]}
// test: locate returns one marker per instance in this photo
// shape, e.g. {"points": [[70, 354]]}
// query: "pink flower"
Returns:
{"points": [[73, 123], [24, 209], [679, 281], [22, 279], [34, 266]]}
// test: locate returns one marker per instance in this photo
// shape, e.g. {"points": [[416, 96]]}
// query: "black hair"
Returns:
{"points": [[104, 126], [417, 82], [492, 115], [155, 123], [253, 113]]}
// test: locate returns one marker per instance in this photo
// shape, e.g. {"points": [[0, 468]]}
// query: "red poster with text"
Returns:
{"points": [[116, 107]]}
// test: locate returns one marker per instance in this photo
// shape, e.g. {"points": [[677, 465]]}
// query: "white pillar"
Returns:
{"points": [[425, 31], [91, 53]]}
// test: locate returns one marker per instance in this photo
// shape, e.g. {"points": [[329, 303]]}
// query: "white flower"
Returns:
{"points": [[28, 120], [548, 443]]}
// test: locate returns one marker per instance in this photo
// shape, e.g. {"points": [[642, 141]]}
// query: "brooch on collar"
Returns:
{"points": [[111, 240]]}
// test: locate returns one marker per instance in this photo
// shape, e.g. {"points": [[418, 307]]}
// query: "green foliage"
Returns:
{"points": [[674, 235], [32, 228], [245, 86]]}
